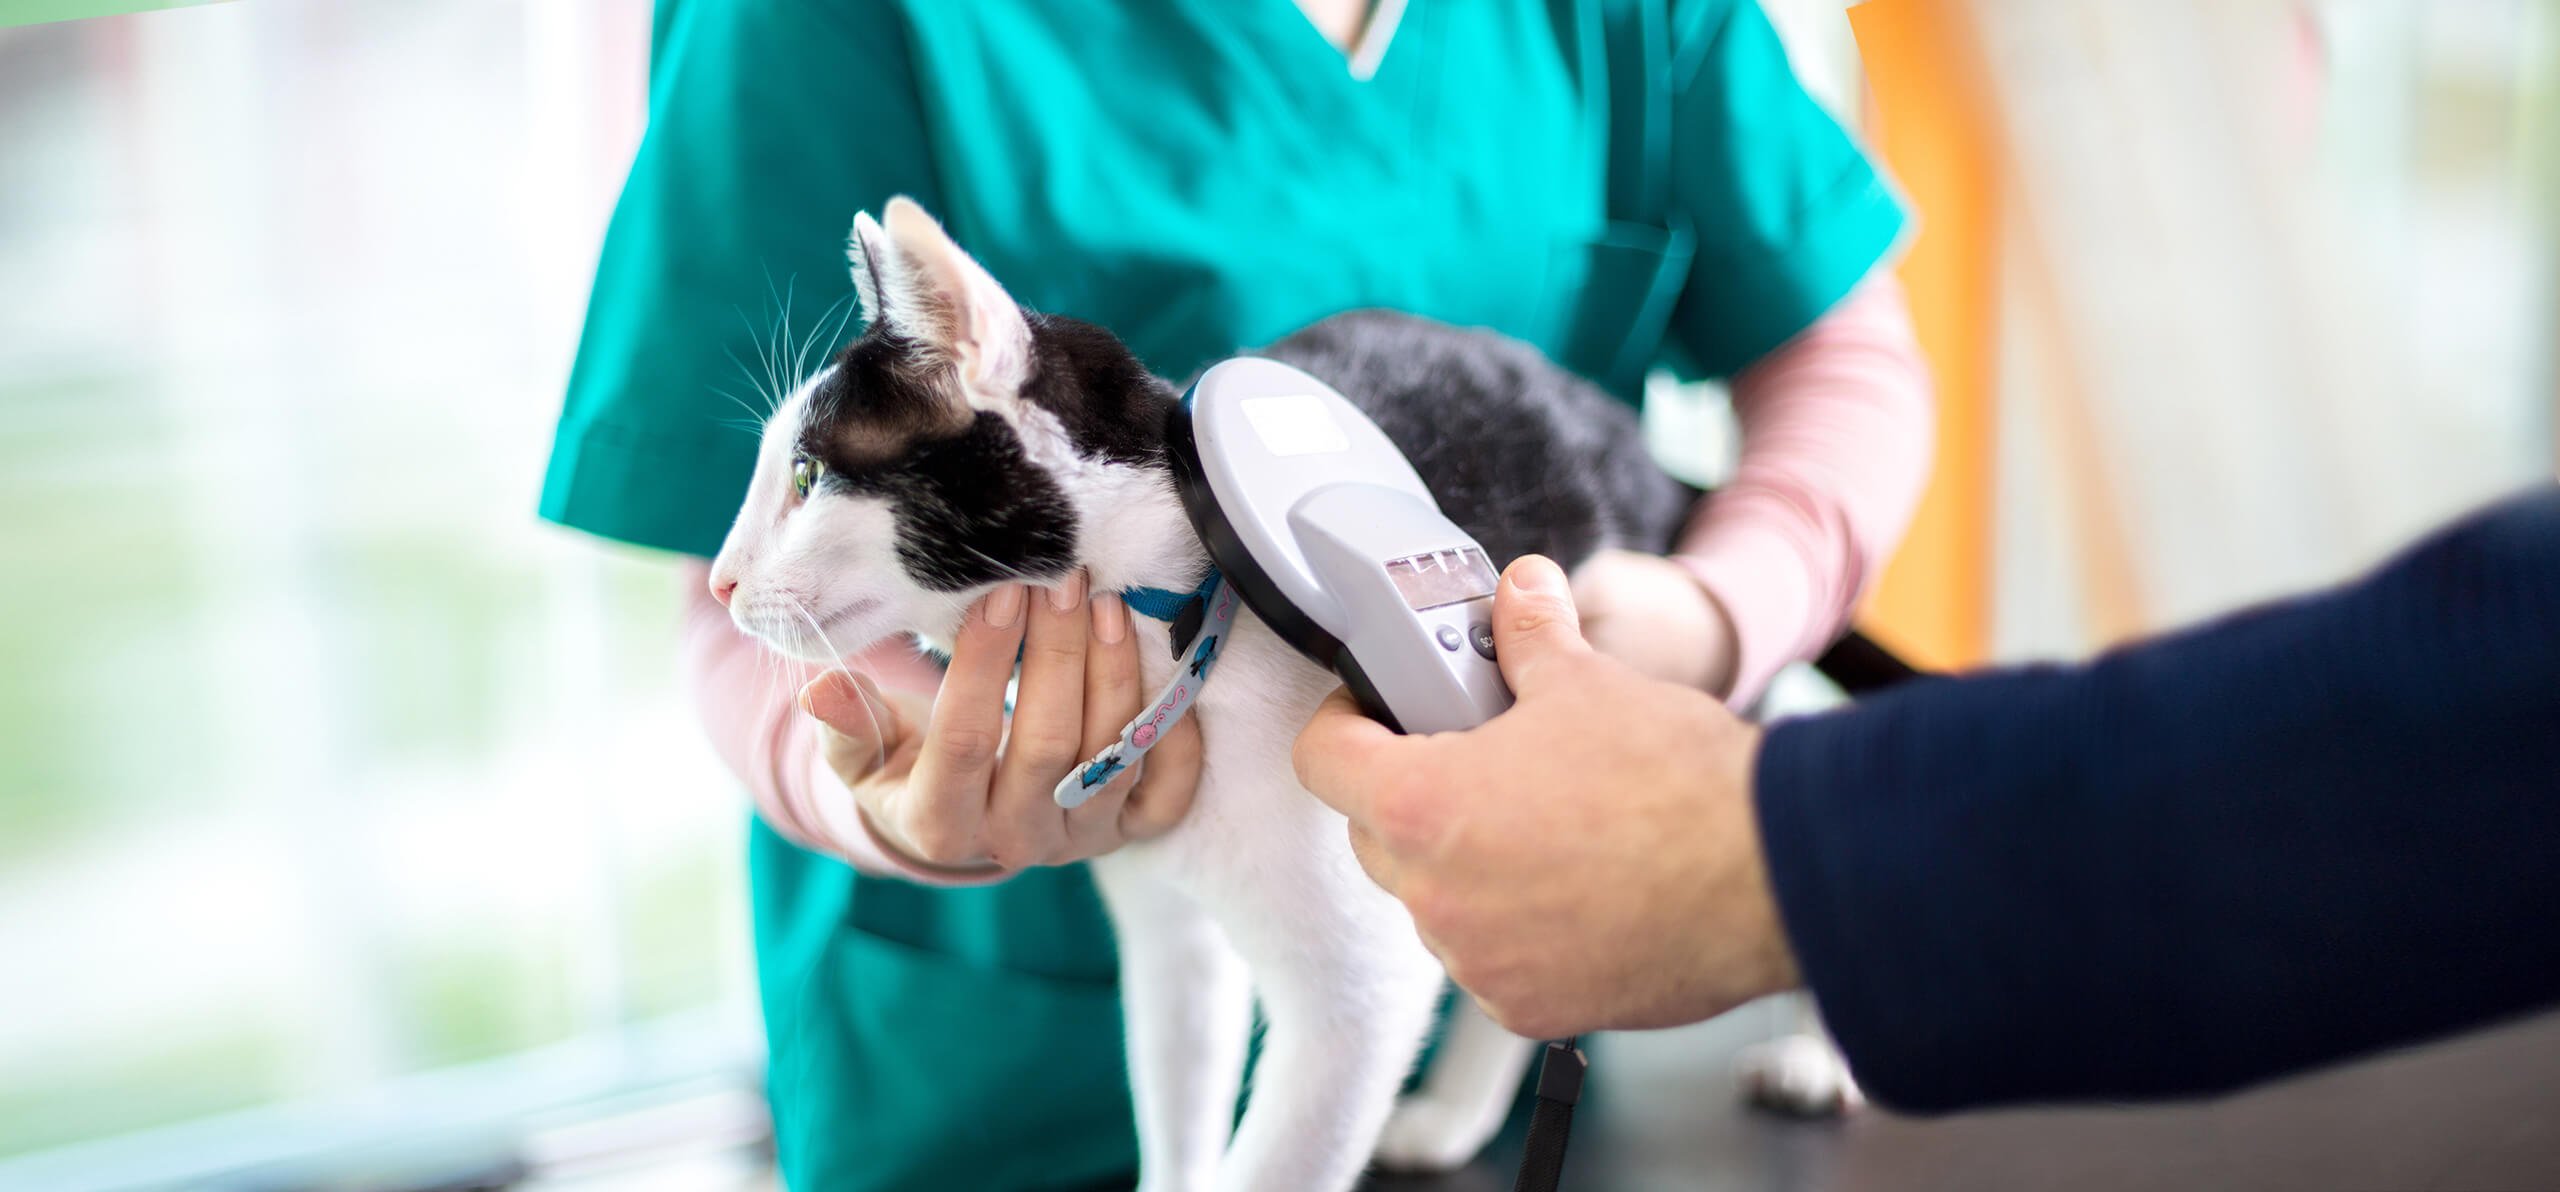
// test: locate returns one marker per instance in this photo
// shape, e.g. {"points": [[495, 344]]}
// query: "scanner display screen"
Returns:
{"points": [[1429, 581]]}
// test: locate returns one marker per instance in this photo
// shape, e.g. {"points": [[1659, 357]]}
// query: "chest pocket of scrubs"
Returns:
{"points": [[1631, 278], [1634, 271]]}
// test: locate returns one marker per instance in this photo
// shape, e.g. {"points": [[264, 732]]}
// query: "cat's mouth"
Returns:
{"points": [[814, 637], [862, 607]]}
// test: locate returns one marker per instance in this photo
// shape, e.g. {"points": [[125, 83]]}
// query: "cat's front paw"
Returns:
{"points": [[1430, 1135], [1799, 1075]]}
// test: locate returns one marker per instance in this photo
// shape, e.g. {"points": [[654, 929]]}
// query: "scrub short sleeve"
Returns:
{"points": [[769, 126], [1789, 214]]}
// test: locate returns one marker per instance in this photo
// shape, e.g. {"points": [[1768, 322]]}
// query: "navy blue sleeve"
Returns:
{"points": [[2298, 834]]}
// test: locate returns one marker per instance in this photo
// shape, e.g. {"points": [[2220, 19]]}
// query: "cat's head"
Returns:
{"points": [[962, 441]]}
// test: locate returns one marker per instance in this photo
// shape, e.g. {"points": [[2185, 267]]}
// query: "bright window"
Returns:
{"points": [[323, 766]]}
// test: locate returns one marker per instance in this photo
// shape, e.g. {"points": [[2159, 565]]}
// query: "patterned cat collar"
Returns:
{"points": [[1211, 607]]}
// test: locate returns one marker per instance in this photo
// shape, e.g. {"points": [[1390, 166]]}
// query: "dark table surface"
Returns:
{"points": [[2473, 1113]]}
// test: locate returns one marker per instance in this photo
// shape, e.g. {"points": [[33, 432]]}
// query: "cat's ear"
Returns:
{"points": [[947, 305], [866, 247]]}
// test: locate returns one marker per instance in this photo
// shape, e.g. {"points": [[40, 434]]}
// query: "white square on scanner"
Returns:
{"points": [[1295, 424]]}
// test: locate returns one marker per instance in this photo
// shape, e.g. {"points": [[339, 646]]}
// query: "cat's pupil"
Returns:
{"points": [[804, 472]]}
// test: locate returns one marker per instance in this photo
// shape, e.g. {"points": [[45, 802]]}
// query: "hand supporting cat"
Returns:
{"points": [[1652, 614], [947, 783]]}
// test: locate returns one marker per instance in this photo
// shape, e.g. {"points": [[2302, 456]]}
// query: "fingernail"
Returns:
{"points": [[822, 699], [1537, 575], [1069, 593], [1110, 619], [1004, 606]]}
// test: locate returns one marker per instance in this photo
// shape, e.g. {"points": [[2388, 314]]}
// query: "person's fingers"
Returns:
{"points": [[853, 761], [877, 799], [1113, 694], [945, 802], [860, 781], [1113, 688], [1093, 826], [1337, 755], [1025, 825], [1166, 784], [1536, 630]]}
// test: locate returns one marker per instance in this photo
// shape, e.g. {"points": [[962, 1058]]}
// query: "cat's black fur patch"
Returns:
{"points": [[1111, 406], [971, 508], [874, 400]]}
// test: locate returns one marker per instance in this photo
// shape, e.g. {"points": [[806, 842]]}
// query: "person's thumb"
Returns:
{"points": [[852, 706], [1537, 633]]}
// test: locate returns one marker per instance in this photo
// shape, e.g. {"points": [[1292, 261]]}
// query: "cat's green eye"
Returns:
{"points": [[805, 472]]}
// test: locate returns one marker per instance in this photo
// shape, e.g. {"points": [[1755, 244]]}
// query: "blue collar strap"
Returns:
{"points": [[1160, 604], [1213, 606]]}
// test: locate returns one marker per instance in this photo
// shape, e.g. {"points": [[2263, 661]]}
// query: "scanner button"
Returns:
{"points": [[1449, 639], [1480, 635]]}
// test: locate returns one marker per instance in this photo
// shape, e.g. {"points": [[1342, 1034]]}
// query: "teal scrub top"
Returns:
{"points": [[1624, 183]]}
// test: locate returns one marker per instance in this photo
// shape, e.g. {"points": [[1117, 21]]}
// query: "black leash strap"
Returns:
{"points": [[1551, 1120], [1860, 666]]}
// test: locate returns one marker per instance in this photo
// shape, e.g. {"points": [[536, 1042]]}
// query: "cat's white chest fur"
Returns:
{"points": [[1255, 894], [1260, 692]]}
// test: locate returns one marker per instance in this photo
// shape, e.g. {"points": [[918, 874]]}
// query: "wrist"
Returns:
{"points": [[898, 854], [1764, 597], [1724, 644], [1769, 963], [851, 834]]}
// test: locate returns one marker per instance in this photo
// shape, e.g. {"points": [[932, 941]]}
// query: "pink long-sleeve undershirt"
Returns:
{"points": [[1836, 432]]}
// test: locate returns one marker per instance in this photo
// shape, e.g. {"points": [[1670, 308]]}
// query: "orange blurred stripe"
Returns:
{"points": [[1934, 130]]}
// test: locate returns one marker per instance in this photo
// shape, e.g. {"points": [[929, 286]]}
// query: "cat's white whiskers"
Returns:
{"points": [[756, 419], [764, 354], [768, 344], [769, 666], [779, 367], [773, 401], [844, 321], [782, 339], [800, 355]]}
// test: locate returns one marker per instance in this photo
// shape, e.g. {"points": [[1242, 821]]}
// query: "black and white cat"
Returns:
{"points": [[964, 442]]}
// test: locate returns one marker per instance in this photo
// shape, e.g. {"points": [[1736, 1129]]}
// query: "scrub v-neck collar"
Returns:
{"points": [[1368, 50]]}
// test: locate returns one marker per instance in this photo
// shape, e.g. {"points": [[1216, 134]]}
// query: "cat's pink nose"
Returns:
{"points": [[723, 588]]}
